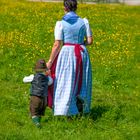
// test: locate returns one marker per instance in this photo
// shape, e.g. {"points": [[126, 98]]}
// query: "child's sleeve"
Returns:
{"points": [[50, 80], [28, 79]]}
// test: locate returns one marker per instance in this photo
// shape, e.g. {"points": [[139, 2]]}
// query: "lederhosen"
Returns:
{"points": [[39, 87]]}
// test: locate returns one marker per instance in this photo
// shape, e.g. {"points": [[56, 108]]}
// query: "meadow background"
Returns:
{"points": [[26, 34]]}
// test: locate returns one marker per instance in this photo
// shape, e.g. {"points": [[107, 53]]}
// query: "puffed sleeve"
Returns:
{"points": [[50, 80], [27, 79], [88, 29], [58, 32]]}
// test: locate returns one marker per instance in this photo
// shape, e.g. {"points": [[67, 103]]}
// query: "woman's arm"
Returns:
{"points": [[89, 38], [54, 53]]}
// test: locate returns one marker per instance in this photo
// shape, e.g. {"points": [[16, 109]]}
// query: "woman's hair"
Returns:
{"points": [[70, 5]]}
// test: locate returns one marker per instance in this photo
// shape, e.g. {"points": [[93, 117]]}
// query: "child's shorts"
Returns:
{"points": [[37, 105]]}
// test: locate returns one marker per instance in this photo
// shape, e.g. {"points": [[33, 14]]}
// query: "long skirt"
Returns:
{"points": [[65, 86]]}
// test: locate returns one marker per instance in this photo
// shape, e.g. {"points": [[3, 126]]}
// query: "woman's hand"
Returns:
{"points": [[88, 41], [54, 53], [48, 64]]}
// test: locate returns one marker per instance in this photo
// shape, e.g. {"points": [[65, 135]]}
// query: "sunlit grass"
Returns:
{"points": [[26, 34]]}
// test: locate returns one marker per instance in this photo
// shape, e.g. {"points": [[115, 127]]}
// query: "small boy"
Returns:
{"points": [[39, 86]]}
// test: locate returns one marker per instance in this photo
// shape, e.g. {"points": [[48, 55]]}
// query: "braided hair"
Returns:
{"points": [[70, 5]]}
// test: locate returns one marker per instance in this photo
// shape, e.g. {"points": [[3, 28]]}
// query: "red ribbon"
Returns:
{"points": [[79, 65], [51, 88]]}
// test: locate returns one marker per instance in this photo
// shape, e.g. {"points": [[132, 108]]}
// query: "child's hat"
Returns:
{"points": [[40, 65]]}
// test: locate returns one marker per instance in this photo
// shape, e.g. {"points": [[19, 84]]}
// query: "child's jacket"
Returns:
{"points": [[39, 85]]}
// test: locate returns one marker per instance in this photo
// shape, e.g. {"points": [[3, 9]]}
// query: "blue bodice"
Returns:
{"points": [[74, 33]]}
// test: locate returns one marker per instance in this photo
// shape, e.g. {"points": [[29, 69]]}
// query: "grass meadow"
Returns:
{"points": [[26, 34]]}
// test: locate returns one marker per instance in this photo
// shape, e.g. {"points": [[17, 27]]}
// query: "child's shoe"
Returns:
{"points": [[38, 125], [36, 121]]}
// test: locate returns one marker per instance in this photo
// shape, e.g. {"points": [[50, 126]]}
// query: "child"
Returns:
{"points": [[39, 86]]}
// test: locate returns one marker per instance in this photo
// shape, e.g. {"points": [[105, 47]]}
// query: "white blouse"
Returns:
{"points": [[58, 32]]}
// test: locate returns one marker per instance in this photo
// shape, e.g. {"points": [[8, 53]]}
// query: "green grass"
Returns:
{"points": [[26, 34]]}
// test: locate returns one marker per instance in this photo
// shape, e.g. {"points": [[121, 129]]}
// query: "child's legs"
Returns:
{"points": [[35, 105], [43, 106]]}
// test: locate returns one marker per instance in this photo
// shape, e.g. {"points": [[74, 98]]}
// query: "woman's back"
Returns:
{"points": [[74, 33]]}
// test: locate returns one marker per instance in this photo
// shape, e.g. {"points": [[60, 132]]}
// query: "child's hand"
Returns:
{"points": [[48, 72]]}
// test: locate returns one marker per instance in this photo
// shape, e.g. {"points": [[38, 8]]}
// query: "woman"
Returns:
{"points": [[73, 79]]}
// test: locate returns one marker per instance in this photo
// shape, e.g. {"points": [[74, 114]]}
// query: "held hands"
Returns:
{"points": [[48, 72], [48, 64]]}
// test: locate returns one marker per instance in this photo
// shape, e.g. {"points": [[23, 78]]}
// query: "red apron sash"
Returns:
{"points": [[51, 88], [79, 66]]}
